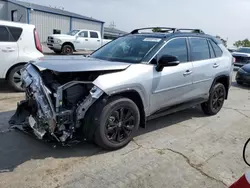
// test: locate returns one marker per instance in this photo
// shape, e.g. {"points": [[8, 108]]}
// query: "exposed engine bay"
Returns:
{"points": [[56, 103]]}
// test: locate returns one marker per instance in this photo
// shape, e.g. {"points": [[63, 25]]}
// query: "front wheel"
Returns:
{"points": [[215, 101], [119, 121], [67, 49]]}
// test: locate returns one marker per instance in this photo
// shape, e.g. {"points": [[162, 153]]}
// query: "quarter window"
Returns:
{"points": [[199, 49], [5, 35], [84, 34], [217, 50], [176, 47], [15, 32], [93, 34], [212, 54]]}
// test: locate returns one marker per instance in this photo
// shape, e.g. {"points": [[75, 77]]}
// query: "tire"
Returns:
{"points": [[14, 78], [108, 126], [58, 51], [67, 49], [216, 100], [239, 82]]}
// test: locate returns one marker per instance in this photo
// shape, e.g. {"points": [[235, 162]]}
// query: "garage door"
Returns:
{"points": [[46, 23]]}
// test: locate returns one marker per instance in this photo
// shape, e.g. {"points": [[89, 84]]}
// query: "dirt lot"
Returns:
{"points": [[186, 149]]}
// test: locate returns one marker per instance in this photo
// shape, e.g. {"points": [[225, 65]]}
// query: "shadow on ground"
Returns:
{"points": [[242, 86], [17, 147], [4, 87]]}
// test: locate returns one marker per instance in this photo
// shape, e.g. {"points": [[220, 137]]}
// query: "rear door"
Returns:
{"points": [[82, 41], [95, 40], [8, 48], [204, 65]]}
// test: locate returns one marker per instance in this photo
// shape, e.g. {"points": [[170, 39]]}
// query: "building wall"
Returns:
{"points": [[21, 13], [3, 10], [85, 24], [46, 22]]}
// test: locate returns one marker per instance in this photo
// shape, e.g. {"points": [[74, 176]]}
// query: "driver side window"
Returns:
{"points": [[176, 47], [83, 34]]}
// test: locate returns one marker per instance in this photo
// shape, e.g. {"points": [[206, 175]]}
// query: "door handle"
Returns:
{"points": [[98, 40], [188, 72], [216, 65], [86, 39], [8, 50]]}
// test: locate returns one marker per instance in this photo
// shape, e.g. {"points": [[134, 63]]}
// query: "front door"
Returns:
{"points": [[173, 85], [82, 41]]}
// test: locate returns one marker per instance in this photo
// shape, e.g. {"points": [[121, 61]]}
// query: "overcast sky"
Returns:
{"points": [[227, 18]]}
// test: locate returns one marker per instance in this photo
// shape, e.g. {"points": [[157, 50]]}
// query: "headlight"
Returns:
{"points": [[242, 71], [58, 41]]}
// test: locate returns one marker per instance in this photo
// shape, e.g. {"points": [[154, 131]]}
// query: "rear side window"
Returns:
{"points": [[199, 49], [15, 32], [5, 36], [217, 50], [93, 34], [176, 47]]}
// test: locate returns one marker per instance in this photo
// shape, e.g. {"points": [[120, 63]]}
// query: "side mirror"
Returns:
{"points": [[167, 61]]}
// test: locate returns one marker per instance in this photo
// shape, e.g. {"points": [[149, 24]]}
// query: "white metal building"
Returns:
{"points": [[47, 19]]}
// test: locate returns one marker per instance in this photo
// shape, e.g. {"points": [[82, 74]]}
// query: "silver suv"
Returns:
{"points": [[137, 77]]}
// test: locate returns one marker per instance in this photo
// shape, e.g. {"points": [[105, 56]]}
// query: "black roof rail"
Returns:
{"points": [[166, 29], [162, 28]]}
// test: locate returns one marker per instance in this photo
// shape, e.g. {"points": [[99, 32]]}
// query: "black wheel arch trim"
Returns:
{"points": [[225, 80]]}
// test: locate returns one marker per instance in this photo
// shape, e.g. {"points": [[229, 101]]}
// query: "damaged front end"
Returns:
{"points": [[55, 103]]}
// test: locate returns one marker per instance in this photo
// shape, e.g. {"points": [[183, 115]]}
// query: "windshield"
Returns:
{"points": [[130, 49], [244, 50], [73, 32]]}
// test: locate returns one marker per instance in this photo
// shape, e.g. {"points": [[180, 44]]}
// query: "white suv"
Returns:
{"points": [[19, 44]]}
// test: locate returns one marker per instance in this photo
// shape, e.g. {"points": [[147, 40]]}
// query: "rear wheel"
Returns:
{"points": [[67, 49], [117, 123], [14, 78], [215, 101]]}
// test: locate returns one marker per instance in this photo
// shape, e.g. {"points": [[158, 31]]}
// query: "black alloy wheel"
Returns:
{"points": [[119, 125], [216, 100]]}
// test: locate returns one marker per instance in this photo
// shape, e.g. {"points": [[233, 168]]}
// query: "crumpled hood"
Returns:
{"points": [[77, 64], [240, 54]]}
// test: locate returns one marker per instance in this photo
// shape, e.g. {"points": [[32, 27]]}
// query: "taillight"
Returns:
{"points": [[37, 41]]}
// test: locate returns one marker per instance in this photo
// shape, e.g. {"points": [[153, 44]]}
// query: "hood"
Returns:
{"points": [[78, 64], [246, 68], [241, 54], [61, 36]]}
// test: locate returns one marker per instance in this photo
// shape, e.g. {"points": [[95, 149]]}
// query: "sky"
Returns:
{"points": [[226, 18]]}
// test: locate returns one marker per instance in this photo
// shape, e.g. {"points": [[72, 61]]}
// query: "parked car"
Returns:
{"points": [[135, 78], [243, 75], [75, 40], [242, 56], [19, 44]]}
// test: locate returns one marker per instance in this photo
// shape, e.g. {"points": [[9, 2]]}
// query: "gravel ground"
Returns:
{"points": [[185, 149]]}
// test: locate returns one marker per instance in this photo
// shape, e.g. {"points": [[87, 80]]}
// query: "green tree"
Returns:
{"points": [[238, 43]]}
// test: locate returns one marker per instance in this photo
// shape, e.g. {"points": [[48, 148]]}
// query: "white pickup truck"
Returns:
{"points": [[75, 40]]}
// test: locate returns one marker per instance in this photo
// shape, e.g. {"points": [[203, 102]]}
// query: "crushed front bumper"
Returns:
{"points": [[44, 116]]}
